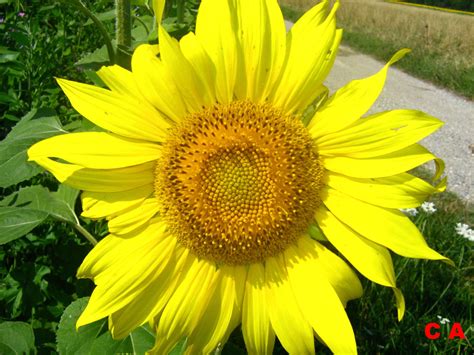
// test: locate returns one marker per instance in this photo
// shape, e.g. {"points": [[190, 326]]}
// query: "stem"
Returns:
{"points": [[180, 11], [85, 233], [100, 26], [123, 32]]}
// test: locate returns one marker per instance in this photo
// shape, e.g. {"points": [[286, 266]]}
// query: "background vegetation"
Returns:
{"points": [[465, 5], [39, 295], [442, 43]]}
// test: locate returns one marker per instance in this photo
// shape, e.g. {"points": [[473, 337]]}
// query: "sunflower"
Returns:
{"points": [[232, 184]]}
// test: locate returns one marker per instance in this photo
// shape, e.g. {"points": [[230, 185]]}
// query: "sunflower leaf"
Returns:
{"points": [[33, 127], [39, 198], [16, 338], [27, 208], [94, 338], [16, 222]]}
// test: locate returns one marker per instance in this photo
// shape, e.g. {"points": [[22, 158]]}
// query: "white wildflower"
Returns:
{"points": [[461, 229], [443, 320], [464, 231], [428, 207], [410, 211], [469, 235]]}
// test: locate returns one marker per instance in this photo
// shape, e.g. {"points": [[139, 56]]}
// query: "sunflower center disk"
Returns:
{"points": [[239, 182]]}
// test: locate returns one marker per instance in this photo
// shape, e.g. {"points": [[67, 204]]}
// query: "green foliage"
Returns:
{"points": [[33, 127], [23, 210], [16, 338], [94, 338], [465, 5]]}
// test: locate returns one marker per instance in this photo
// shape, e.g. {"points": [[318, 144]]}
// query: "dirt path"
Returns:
{"points": [[454, 142]]}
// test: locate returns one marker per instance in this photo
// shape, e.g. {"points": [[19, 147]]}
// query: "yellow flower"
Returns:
{"points": [[219, 154]]}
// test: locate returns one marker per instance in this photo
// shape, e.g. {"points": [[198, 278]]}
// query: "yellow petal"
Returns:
{"points": [[240, 277], [398, 191], [98, 180], [216, 28], [121, 114], [318, 300], [341, 277], [202, 64], [309, 54], [102, 259], [379, 134], [156, 84], [258, 334], [388, 227], [96, 150], [101, 262], [400, 303], [350, 102], [118, 285], [150, 301], [383, 165], [370, 259], [134, 217], [119, 80], [158, 8], [100, 204], [216, 321], [185, 308], [287, 320], [182, 73], [263, 40]]}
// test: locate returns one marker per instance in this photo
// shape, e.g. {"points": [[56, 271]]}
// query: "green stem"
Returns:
{"points": [[123, 32], [180, 11], [100, 26], [85, 233]]}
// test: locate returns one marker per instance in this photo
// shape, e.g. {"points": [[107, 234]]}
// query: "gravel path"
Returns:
{"points": [[454, 142]]}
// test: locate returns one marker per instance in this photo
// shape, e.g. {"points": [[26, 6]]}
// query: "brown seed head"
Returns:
{"points": [[239, 182]]}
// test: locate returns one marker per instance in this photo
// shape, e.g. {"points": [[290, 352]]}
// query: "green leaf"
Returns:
{"points": [[103, 16], [41, 199], [180, 347], [92, 75], [70, 341], [139, 2], [7, 55], [94, 338], [16, 338], [27, 208], [16, 222], [95, 59], [67, 194], [35, 126]]}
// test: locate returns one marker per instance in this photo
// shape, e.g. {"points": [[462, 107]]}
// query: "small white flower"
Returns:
{"points": [[443, 320], [469, 235], [410, 211], [428, 207], [463, 230]]}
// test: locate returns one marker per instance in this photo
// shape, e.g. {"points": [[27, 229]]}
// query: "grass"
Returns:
{"points": [[442, 43]]}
